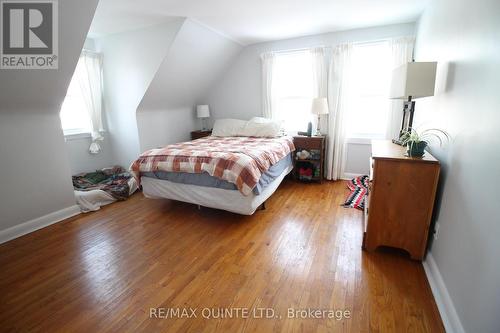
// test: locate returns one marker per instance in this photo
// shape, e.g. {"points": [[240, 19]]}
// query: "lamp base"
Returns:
{"points": [[398, 142], [318, 132], [407, 120], [203, 125]]}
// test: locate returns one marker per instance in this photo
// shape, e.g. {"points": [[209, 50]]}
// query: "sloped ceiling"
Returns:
{"points": [[38, 90], [131, 61], [196, 58], [256, 21]]}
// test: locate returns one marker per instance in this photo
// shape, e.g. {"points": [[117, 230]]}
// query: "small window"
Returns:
{"points": [[369, 104], [75, 118], [293, 89]]}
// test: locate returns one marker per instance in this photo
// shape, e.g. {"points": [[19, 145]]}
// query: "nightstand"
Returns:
{"points": [[200, 134], [309, 158]]}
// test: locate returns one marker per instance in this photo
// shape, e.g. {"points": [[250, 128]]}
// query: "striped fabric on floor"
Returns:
{"points": [[359, 190]]}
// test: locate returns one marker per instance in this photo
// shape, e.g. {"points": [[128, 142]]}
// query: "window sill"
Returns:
{"points": [[68, 136], [76, 136]]}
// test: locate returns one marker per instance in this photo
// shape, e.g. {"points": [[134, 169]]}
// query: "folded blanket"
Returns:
{"points": [[238, 160], [111, 180]]}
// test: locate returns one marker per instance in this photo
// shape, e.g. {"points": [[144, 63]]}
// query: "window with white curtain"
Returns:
{"points": [[75, 118], [369, 83], [293, 89], [78, 106]]}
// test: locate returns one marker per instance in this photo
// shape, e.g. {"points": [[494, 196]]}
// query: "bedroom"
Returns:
{"points": [[229, 230]]}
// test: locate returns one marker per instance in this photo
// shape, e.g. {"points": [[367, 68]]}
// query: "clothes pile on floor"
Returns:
{"points": [[102, 187]]}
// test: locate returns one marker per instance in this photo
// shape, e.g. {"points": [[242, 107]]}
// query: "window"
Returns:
{"points": [[74, 116], [293, 89], [369, 105], [83, 97]]}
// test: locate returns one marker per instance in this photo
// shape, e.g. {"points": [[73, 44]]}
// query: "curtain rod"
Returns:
{"points": [[298, 49], [380, 40], [330, 47]]}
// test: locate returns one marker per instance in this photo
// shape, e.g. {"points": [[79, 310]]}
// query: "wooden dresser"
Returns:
{"points": [[399, 207]]}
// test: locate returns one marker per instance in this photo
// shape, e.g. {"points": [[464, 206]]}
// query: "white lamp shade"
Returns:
{"points": [[202, 111], [319, 106], [415, 79]]}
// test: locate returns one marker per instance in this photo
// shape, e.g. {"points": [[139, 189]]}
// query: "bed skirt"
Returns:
{"points": [[229, 200]]}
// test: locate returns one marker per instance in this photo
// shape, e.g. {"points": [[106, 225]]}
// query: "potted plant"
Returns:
{"points": [[416, 142]]}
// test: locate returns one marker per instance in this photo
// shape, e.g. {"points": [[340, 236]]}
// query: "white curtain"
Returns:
{"points": [[89, 74], [267, 85], [338, 90], [320, 77], [401, 53]]}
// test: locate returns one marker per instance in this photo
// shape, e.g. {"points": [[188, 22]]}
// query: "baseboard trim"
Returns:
{"points": [[38, 223], [349, 176], [445, 305]]}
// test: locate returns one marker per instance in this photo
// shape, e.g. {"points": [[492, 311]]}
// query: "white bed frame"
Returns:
{"points": [[230, 200]]}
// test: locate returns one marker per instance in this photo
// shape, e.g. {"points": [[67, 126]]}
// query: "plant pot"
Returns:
{"points": [[416, 149]]}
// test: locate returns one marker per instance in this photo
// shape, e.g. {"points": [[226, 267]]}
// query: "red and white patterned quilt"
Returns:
{"points": [[238, 160]]}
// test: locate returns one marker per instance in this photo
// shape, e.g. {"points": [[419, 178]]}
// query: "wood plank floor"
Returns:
{"points": [[104, 271]]}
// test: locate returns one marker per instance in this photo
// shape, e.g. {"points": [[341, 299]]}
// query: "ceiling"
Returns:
{"points": [[253, 21]]}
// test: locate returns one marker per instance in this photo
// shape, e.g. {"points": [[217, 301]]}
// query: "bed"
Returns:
{"points": [[232, 173]]}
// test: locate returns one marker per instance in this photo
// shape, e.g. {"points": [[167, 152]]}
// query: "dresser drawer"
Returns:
{"points": [[308, 143]]}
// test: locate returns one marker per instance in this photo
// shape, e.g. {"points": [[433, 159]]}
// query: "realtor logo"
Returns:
{"points": [[29, 34]]}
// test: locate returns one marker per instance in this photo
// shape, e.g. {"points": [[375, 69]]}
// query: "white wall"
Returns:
{"points": [[162, 127], [464, 37], [81, 160], [35, 172], [131, 60], [357, 157], [197, 57], [238, 94]]}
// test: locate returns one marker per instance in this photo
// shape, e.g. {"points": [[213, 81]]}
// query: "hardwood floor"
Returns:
{"points": [[104, 271]]}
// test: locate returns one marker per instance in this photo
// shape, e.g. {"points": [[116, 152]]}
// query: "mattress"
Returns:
{"points": [[238, 160], [232, 201], [204, 179]]}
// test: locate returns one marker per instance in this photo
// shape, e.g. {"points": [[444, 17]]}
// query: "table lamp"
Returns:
{"points": [[203, 112], [319, 107], [410, 81]]}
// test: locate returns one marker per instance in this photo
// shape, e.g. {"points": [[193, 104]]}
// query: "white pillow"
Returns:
{"points": [[261, 120], [228, 127], [262, 127]]}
